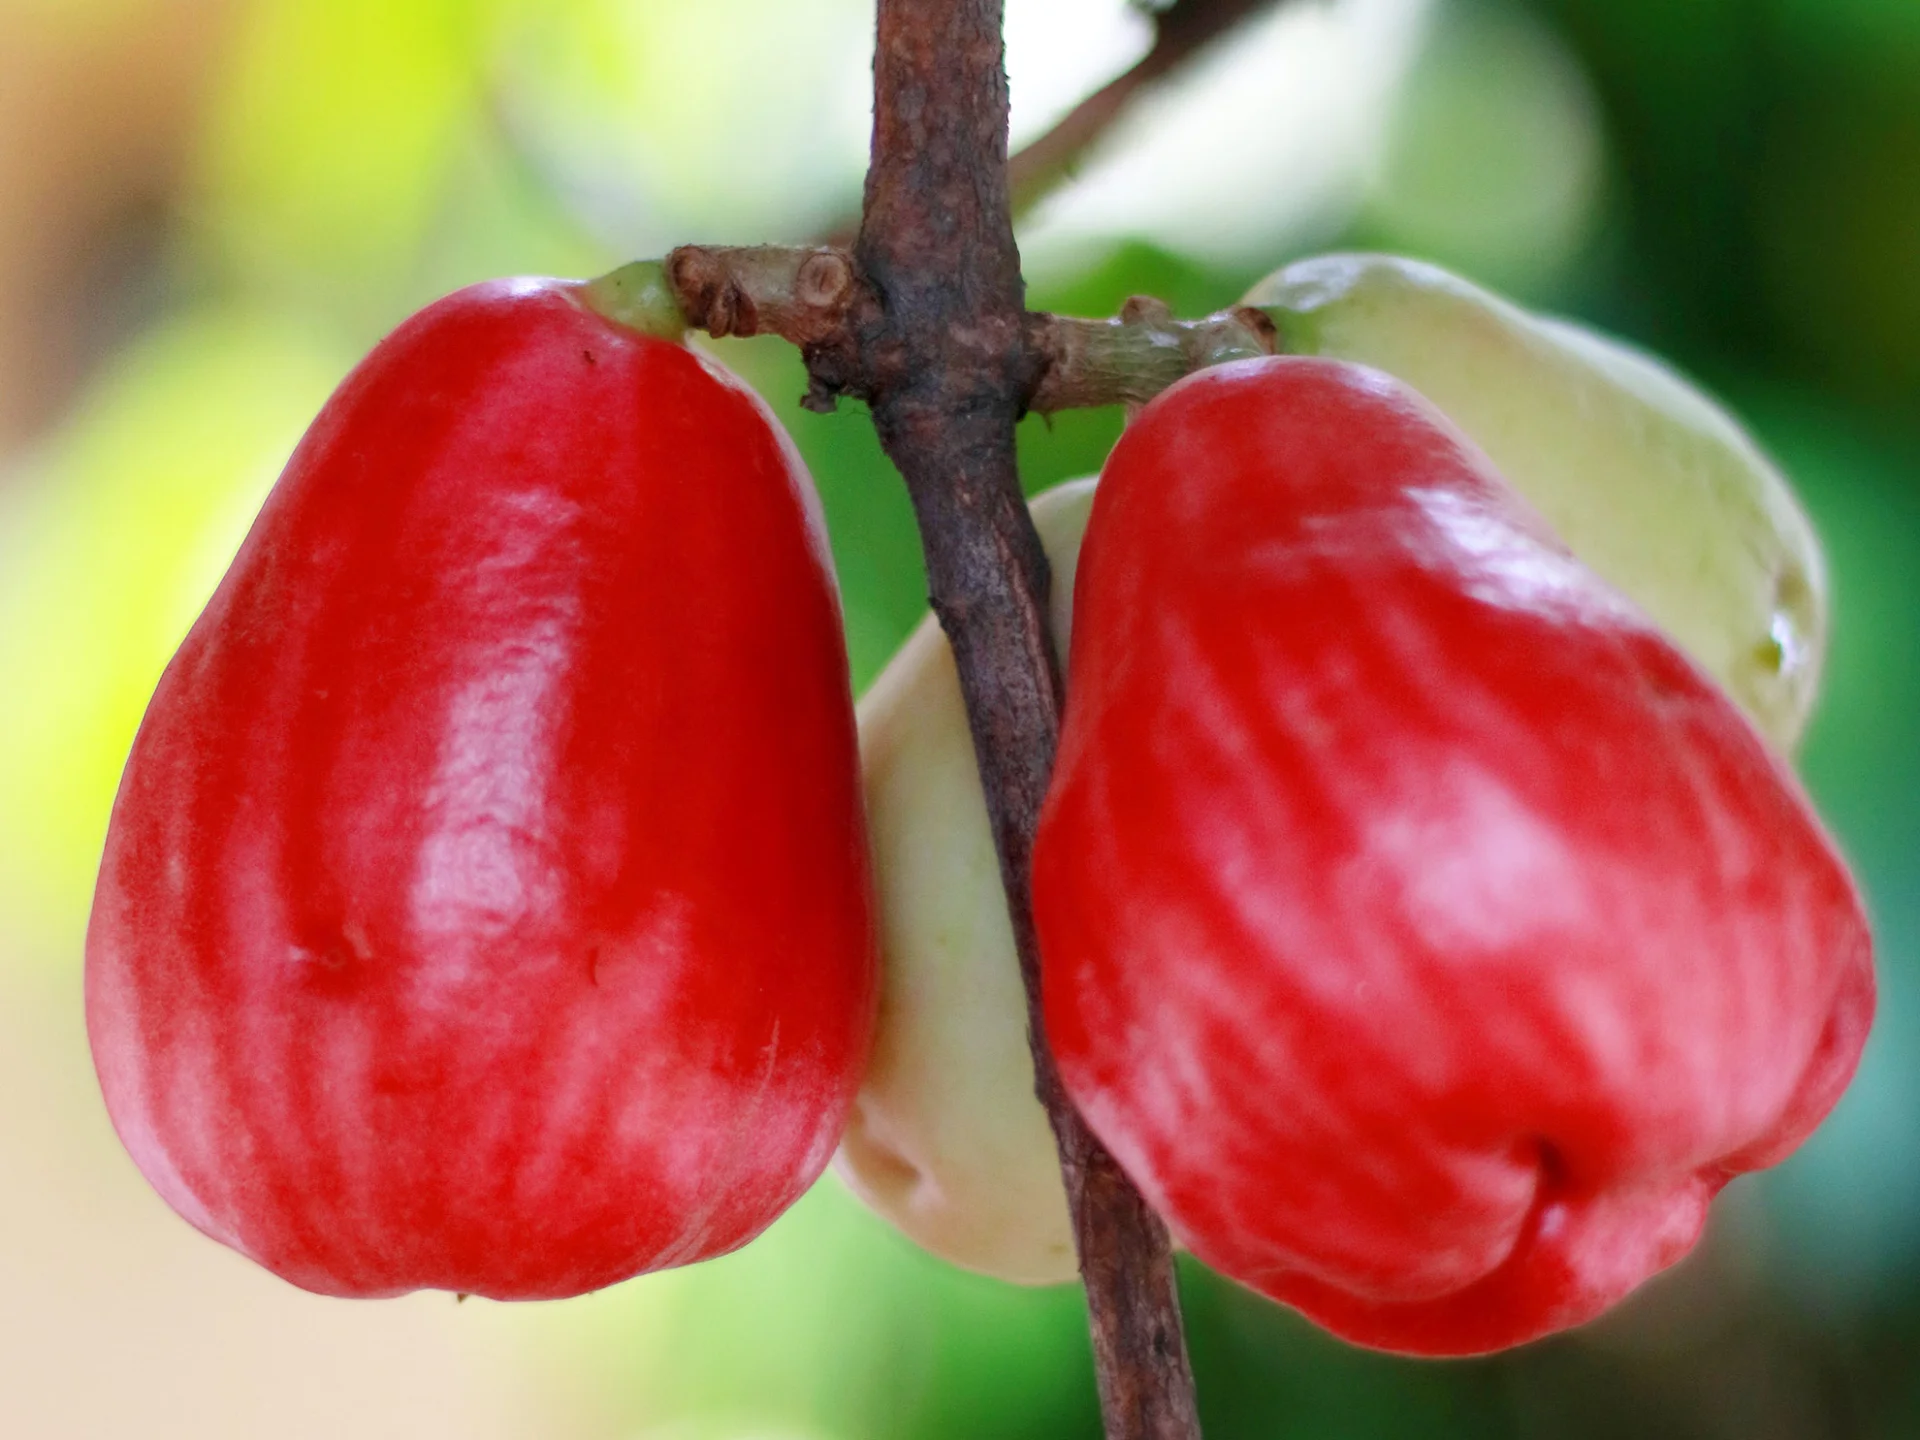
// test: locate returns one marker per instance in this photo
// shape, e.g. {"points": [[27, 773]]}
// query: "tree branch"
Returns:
{"points": [[936, 240], [1180, 31], [930, 328], [950, 370]]}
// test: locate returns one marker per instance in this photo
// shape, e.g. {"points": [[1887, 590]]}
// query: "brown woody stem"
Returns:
{"points": [[1181, 30], [924, 319], [931, 330], [801, 293], [950, 370]]}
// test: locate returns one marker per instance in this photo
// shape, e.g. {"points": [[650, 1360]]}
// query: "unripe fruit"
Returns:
{"points": [[947, 1140], [1651, 483], [1424, 934], [485, 905]]}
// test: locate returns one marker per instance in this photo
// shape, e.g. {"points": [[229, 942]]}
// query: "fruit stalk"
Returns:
{"points": [[1132, 358]]}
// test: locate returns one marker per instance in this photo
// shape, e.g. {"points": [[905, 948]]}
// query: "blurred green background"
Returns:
{"points": [[210, 208]]}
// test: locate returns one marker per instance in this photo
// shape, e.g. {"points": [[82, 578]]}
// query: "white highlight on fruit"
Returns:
{"points": [[1518, 571], [486, 803], [1477, 872]]}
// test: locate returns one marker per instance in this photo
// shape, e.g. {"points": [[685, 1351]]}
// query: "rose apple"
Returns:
{"points": [[947, 1140], [1644, 478], [1426, 936], [485, 904], [1651, 483]]}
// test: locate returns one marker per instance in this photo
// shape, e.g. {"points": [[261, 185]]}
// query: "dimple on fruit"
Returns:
{"points": [[485, 905], [1423, 933]]}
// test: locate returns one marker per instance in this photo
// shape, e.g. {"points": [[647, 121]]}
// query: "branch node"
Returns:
{"points": [[1260, 325], [699, 280], [821, 398], [1145, 310], [825, 281], [803, 294]]}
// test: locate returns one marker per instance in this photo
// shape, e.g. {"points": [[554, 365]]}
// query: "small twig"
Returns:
{"points": [[801, 293], [1131, 359], [1180, 31]]}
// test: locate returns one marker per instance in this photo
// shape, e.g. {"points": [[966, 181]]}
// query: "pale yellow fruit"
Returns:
{"points": [[1646, 479], [1650, 482], [947, 1140]]}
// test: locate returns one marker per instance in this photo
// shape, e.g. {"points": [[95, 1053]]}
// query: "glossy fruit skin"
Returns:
{"points": [[1645, 478], [485, 905], [1653, 484], [1424, 934]]}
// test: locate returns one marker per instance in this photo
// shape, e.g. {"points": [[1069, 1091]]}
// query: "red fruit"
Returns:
{"points": [[485, 904], [1426, 936]]}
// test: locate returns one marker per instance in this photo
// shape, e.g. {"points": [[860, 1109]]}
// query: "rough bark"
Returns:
{"points": [[949, 373]]}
